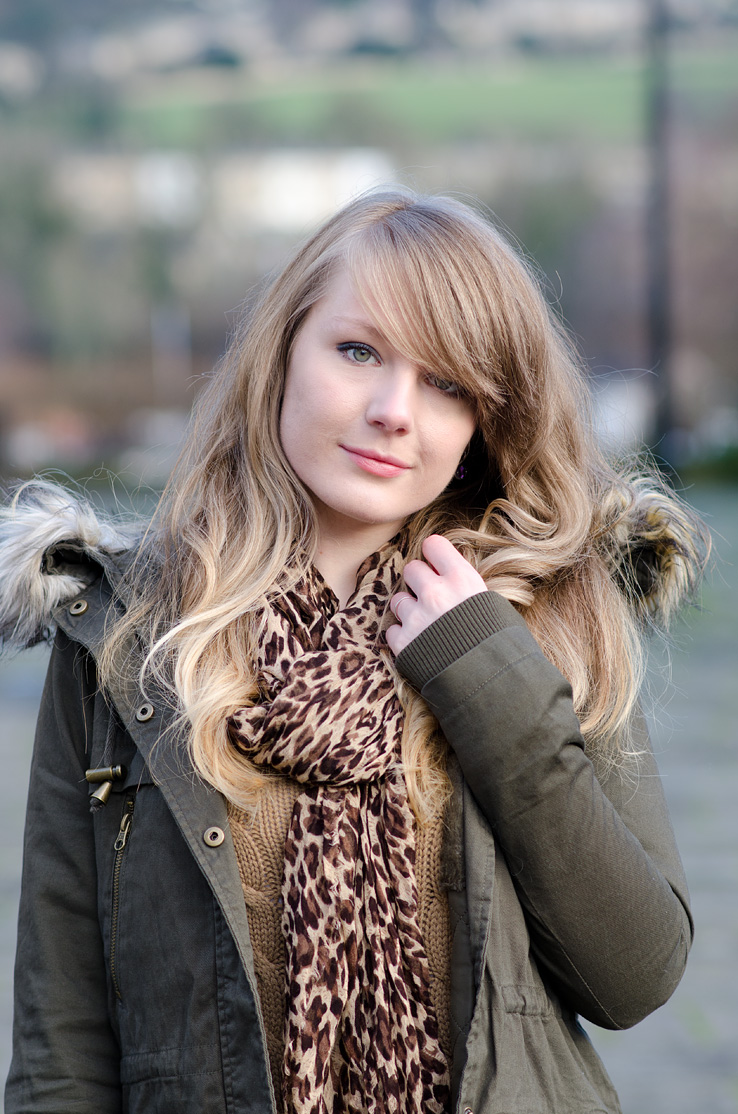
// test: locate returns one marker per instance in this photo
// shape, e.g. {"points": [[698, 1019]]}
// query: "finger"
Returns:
{"points": [[441, 555], [418, 576], [397, 601], [394, 639]]}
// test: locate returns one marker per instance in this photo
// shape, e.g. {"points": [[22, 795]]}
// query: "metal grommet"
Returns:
{"points": [[78, 607], [468, 1110], [145, 712], [213, 837]]}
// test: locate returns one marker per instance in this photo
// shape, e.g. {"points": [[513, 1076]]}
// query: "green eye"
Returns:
{"points": [[358, 353], [446, 386]]}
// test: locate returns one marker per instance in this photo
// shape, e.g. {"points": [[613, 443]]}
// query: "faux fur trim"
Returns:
{"points": [[657, 547], [40, 517]]}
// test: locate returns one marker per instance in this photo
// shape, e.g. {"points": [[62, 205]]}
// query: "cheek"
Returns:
{"points": [[454, 440], [294, 420]]}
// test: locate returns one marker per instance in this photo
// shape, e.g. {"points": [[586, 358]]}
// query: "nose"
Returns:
{"points": [[390, 405]]}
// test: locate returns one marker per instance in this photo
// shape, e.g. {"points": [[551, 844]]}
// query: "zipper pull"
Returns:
{"points": [[125, 827]]}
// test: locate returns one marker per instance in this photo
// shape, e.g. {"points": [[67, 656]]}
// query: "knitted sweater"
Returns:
{"points": [[259, 842]]}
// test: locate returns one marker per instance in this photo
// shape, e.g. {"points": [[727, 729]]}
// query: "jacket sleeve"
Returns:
{"points": [[65, 1055], [595, 866]]}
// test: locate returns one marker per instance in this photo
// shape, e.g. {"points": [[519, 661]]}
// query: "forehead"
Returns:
{"points": [[342, 307]]}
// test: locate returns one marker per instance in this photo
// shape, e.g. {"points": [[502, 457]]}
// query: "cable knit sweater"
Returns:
{"points": [[259, 843]]}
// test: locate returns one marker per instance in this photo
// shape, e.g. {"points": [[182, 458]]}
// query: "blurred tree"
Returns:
{"points": [[32, 227], [35, 22], [39, 22]]}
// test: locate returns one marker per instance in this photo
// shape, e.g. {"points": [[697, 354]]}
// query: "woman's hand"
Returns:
{"points": [[442, 580]]}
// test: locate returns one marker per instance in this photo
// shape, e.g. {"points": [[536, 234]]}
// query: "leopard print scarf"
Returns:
{"points": [[361, 1035]]}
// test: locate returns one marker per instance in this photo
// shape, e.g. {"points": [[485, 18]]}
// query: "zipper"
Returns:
{"points": [[119, 847]]}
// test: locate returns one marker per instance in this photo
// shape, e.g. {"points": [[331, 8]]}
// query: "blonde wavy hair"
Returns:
{"points": [[588, 553]]}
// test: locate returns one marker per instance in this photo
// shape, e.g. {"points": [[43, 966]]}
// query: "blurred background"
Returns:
{"points": [[158, 159]]}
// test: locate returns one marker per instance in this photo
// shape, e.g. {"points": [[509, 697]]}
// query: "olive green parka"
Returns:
{"points": [[135, 988]]}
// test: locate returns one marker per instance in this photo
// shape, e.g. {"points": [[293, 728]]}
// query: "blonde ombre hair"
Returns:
{"points": [[587, 554]]}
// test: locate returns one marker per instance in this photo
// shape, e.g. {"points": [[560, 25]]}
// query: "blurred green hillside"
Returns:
{"points": [[396, 103]]}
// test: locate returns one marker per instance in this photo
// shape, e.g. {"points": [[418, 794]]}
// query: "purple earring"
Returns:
{"points": [[460, 472]]}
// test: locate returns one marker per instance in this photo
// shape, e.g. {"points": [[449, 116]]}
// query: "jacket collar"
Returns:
{"points": [[152, 723]]}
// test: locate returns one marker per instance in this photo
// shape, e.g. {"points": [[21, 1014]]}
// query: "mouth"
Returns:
{"points": [[376, 463]]}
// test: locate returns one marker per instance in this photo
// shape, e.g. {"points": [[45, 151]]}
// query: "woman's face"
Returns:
{"points": [[371, 435]]}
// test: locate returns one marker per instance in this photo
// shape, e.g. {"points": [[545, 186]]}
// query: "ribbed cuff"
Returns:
{"points": [[453, 634]]}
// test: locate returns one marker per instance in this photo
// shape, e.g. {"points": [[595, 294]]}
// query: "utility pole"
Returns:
{"points": [[658, 225]]}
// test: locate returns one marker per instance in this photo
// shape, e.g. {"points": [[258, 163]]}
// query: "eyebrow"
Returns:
{"points": [[361, 324]]}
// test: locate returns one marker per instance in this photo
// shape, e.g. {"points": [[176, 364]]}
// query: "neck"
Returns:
{"points": [[339, 556]]}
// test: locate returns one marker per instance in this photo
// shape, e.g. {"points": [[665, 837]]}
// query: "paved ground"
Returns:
{"points": [[682, 1060]]}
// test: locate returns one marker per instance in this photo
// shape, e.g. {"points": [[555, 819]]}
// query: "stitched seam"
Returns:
{"points": [[548, 1007], [224, 1021], [488, 680], [172, 1074], [165, 1048], [577, 972]]}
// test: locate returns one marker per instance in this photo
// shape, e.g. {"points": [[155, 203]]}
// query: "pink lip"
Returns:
{"points": [[374, 463]]}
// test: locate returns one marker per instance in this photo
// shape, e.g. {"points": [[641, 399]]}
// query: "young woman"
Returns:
{"points": [[341, 798]]}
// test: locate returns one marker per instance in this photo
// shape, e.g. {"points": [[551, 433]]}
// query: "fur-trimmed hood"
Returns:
{"points": [[655, 545], [53, 544]]}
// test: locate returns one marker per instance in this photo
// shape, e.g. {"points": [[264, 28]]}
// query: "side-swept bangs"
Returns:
{"points": [[449, 293]]}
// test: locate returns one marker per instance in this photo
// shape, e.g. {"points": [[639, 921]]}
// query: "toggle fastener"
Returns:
{"points": [[103, 777]]}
